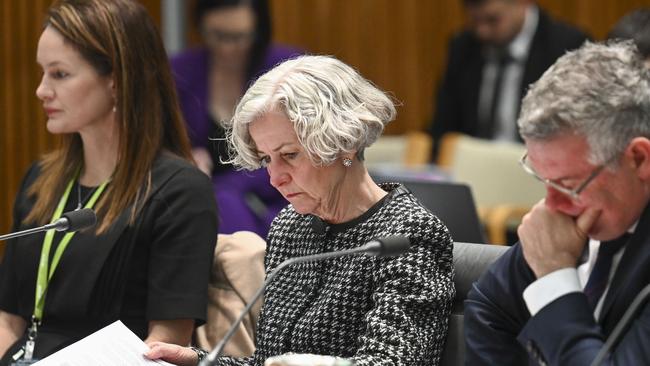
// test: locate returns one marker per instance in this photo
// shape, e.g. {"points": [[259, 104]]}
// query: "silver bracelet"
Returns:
{"points": [[200, 353]]}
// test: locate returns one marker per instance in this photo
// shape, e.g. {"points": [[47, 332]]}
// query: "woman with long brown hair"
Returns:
{"points": [[107, 90]]}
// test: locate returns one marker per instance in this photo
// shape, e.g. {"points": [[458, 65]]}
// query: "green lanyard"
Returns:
{"points": [[44, 276]]}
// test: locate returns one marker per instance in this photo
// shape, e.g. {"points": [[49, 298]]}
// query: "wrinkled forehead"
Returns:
{"points": [[558, 153]]}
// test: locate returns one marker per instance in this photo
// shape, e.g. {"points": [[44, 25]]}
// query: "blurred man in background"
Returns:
{"points": [[508, 44]]}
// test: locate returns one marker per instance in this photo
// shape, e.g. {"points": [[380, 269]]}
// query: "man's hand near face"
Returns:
{"points": [[552, 240]]}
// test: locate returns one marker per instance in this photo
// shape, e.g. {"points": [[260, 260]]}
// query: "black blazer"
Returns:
{"points": [[500, 331], [156, 269], [458, 94]]}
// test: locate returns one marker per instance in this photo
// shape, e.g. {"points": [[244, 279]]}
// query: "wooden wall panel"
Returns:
{"points": [[595, 17], [400, 48], [23, 137], [154, 9], [400, 45]]}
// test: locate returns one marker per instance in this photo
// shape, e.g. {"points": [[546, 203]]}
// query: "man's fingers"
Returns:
{"points": [[586, 220]]}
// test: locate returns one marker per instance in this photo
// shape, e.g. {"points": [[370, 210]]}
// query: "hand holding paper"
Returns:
{"points": [[112, 345]]}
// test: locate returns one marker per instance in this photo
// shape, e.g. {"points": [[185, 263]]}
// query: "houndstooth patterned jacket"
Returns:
{"points": [[374, 311]]}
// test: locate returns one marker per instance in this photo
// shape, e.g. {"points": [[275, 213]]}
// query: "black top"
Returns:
{"points": [[155, 269], [375, 311]]}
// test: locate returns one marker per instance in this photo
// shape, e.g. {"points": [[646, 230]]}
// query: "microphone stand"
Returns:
{"points": [[622, 325], [69, 221], [56, 225], [209, 360]]}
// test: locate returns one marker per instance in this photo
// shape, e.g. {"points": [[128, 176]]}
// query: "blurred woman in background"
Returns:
{"points": [[210, 80]]}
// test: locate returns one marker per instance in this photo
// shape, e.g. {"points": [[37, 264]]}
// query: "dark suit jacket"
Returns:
{"points": [[458, 95], [500, 331]]}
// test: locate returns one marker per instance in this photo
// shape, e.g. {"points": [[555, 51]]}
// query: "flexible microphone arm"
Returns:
{"points": [[389, 246], [622, 325], [69, 222]]}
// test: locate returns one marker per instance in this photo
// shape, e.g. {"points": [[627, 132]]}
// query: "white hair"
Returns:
{"points": [[334, 110], [599, 91]]}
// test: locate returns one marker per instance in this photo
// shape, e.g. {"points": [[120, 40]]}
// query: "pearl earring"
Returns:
{"points": [[347, 162]]}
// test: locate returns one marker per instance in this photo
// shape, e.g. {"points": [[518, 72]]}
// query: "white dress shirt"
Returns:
{"points": [[556, 284], [509, 94]]}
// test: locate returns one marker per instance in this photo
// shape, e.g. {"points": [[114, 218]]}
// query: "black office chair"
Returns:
{"points": [[470, 261], [452, 202]]}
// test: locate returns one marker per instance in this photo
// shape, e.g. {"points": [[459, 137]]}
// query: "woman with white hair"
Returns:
{"points": [[308, 122]]}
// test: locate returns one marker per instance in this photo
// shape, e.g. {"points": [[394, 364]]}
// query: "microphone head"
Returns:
{"points": [[79, 219], [389, 246]]}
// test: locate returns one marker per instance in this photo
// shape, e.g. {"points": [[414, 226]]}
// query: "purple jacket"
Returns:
{"points": [[190, 70], [246, 200]]}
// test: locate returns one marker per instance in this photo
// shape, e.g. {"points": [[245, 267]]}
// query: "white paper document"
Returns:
{"points": [[112, 345]]}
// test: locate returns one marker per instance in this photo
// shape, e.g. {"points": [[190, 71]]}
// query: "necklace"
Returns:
{"points": [[79, 201]]}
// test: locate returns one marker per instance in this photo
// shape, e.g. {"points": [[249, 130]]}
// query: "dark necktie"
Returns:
{"points": [[503, 59], [599, 276]]}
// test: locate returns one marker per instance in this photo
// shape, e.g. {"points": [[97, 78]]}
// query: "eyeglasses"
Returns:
{"points": [[573, 193], [221, 36]]}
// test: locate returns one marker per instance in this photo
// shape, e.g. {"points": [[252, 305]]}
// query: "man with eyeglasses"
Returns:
{"points": [[584, 251]]}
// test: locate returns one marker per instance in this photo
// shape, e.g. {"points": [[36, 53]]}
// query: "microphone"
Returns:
{"points": [[382, 247], [69, 222], [389, 246], [77, 220], [622, 325]]}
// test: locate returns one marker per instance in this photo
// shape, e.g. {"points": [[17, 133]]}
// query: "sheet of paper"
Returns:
{"points": [[112, 345]]}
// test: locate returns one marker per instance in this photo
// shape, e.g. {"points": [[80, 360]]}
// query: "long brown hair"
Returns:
{"points": [[119, 39]]}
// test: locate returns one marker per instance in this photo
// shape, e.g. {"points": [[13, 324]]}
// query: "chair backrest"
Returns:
{"points": [[453, 203], [410, 149], [492, 169], [470, 261]]}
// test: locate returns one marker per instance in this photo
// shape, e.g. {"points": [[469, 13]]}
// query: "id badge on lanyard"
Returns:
{"points": [[25, 356]]}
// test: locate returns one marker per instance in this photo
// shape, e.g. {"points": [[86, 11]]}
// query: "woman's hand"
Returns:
{"points": [[12, 328], [181, 356]]}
